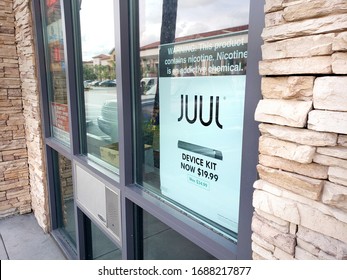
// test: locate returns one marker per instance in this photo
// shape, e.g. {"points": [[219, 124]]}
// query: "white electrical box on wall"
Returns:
{"points": [[99, 201]]}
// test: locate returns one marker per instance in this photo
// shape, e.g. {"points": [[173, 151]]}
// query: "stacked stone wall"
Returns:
{"points": [[300, 199], [14, 174], [24, 38]]}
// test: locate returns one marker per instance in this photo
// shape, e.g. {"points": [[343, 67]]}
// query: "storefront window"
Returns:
{"points": [[99, 81], [102, 247], [160, 242], [65, 199], [56, 72], [193, 60]]}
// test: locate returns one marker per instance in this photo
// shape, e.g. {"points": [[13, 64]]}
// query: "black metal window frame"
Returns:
{"points": [[133, 196]]}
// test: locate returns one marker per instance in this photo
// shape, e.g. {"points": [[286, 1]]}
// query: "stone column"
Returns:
{"points": [[31, 110], [300, 199], [14, 173]]}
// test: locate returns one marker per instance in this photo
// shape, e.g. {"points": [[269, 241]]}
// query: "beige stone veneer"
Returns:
{"points": [[22, 173], [31, 111], [300, 200], [14, 171]]}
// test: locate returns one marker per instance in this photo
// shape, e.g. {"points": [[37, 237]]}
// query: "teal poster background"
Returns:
{"points": [[198, 179], [201, 128]]}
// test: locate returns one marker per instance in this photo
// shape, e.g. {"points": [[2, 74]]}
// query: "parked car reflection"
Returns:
{"points": [[95, 83], [108, 83], [108, 119], [86, 85]]}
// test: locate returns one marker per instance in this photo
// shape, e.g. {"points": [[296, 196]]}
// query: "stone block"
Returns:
{"points": [[301, 254], [300, 214], [313, 9], [8, 128], [286, 242], [308, 247], [25, 209], [287, 150], [8, 51], [304, 186], [5, 205], [21, 190], [282, 255], [7, 136], [272, 221], [10, 184], [338, 152], [283, 224], [339, 63], [9, 211], [17, 174], [307, 27], [335, 195], [6, 103], [312, 170], [18, 134], [296, 66], [9, 83], [25, 198], [273, 206], [307, 46], [11, 72], [263, 253], [317, 242], [8, 158], [330, 161], [261, 242], [337, 213], [298, 87], [328, 121], [13, 144], [338, 175], [324, 256], [329, 93], [273, 5], [257, 257], [283, 112], [340, 42], [270, 188], [275, 18], [342, 140], [298, 135], [7, 40], [17, 153], [16, 121]]}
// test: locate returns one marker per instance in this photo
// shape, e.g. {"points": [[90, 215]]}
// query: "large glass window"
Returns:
{"points": [[99, 79], [102, 247], [160, 242], [56, 72], [65, 199], [191, 87]]}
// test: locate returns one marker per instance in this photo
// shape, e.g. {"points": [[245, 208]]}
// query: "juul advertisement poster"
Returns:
{"points": [[202, 91]]}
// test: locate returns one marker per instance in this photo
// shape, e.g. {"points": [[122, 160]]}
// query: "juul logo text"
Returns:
{"points": [[185, 110]]}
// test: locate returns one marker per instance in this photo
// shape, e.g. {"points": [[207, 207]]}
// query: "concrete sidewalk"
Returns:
{"points": [[21, 238]]}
